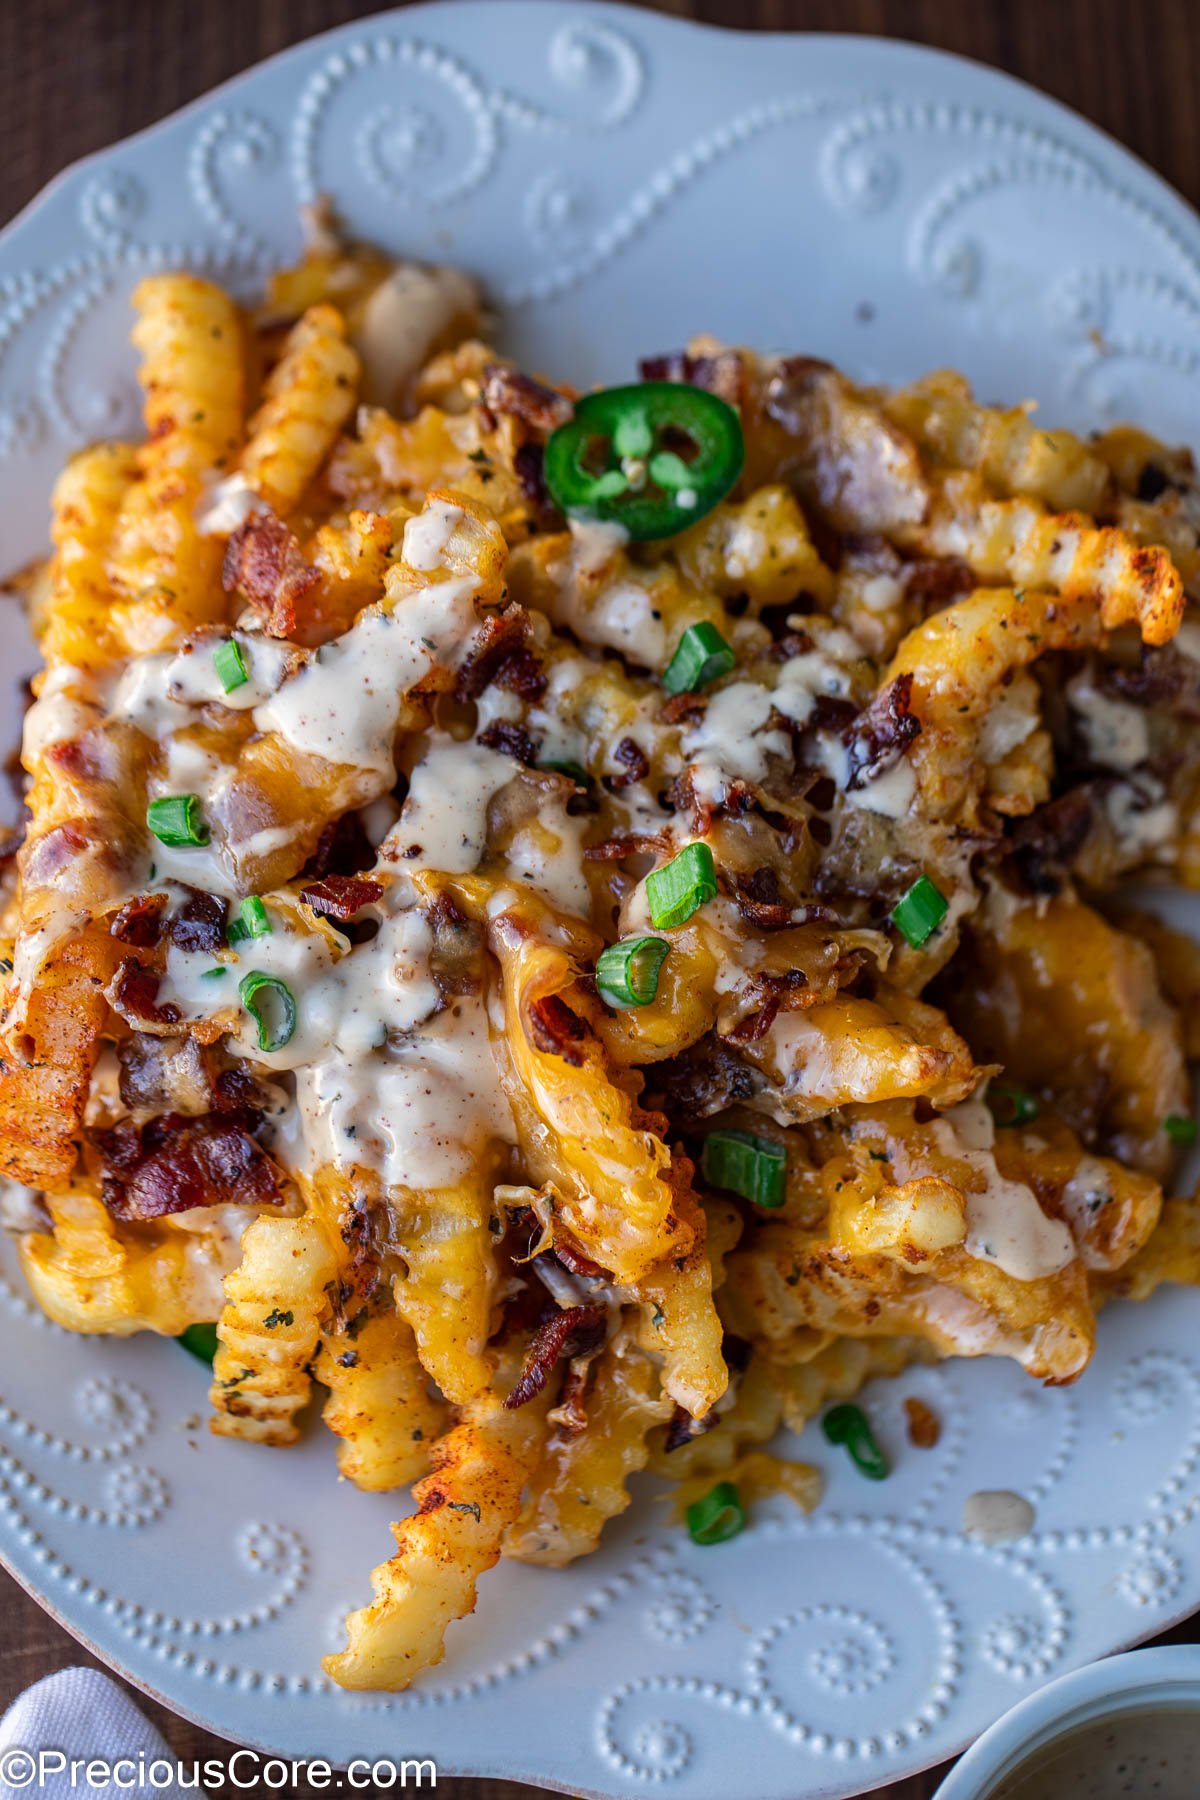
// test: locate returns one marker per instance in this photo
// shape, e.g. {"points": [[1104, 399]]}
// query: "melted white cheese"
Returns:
{"points": [[403, 320], [890, 794], [69, 703]]}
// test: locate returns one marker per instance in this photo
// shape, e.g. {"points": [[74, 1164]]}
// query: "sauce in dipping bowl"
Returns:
{"points": [[1127, 1728]]}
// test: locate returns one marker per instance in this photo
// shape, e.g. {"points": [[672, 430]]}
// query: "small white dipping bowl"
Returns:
{"points": [[1131, 1683]]}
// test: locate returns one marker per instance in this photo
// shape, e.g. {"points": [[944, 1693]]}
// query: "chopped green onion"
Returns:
{"points": [[176, 820], [214, 974], [201, 1340], [701, 656], [249, 921], [1014, 1105], [847, 1424], [577, 773], [920, 912], [627, 972], [1180, 1129], [718, 1517], [741, 1163], [680, 886], [256, 983], [230, 665]]}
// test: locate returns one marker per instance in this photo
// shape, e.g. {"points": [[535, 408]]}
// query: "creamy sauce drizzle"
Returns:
{"points": [[1005, 1224], [997, 1516]]}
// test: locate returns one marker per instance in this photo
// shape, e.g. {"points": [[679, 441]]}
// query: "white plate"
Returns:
{"points": [[622, 180]]}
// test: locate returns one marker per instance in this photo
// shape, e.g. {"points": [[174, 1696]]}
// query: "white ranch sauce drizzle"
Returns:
{"points": [[445, 811], [402, 321], [226, 505], [427, 534], [997, 1516], [1116, 733], [1005, 1224], [344, 705]]}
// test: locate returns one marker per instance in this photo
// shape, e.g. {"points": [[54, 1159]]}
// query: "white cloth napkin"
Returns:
{"points": [[80, 1715]]}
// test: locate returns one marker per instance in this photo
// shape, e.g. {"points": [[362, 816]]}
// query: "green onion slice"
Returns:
{"points": [[230, 665], [176, 820], [717, 1517], [742, 1163], [701, 656], [847, 1424], [1180, 1129], [920, 912], [201, 1340], [1013, 1105], [577, 773], [214, 973], [627, 972], [271, 1036], [249, 921], [676, 890]]}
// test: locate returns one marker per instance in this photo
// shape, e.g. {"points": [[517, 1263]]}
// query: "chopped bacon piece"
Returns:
{"points": [[80, 758], [500, 652], [683, 1429], [935, 584], [506, 390], [1045, 844], [634, 762], [529, 462], [631, 843], [139, 921], [510, 740], [173, 1163], [556, 1030], [571, 1257], [924, 1426], [165, 1073], [576, 1331], [882, 732], [343, 848], [264, 563], [570, 1415], [722, 373], [200, 923], [133, 992], [341, 896], [758, 899]]}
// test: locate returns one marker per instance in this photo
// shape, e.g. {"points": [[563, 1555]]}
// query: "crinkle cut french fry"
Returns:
{"points": [[445, 1292], [309, 395], [275, 1302], [582, 1479], [165, 572], [86, 504], [464, 1508], [380, 1404]]}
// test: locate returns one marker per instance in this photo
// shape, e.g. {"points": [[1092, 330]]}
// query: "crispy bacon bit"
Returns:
{"points": [[528, 466], [133, 992], [1162, 678], [507, 390], [831, 714], [735, 800], [263, 563], [1045, 844], [173, 1163], [139, 921], [571, 1256], [510, 740], [722, 373], [500, 652], [935, 584], [570, 1415], [924, 1426], [343, 848], [769, 995], [200, 923], [165, 1074], [683, 1429], [575, 1331], [882, 732], [706, 1078], [556, 1030], [50, 855], [80, 758], [758, 899], [631, 843], [681, 707], [341, 896], [364, 1232], [634, 763]]}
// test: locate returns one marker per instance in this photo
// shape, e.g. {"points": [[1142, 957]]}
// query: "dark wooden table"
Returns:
{"points": [[77, 74]]}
